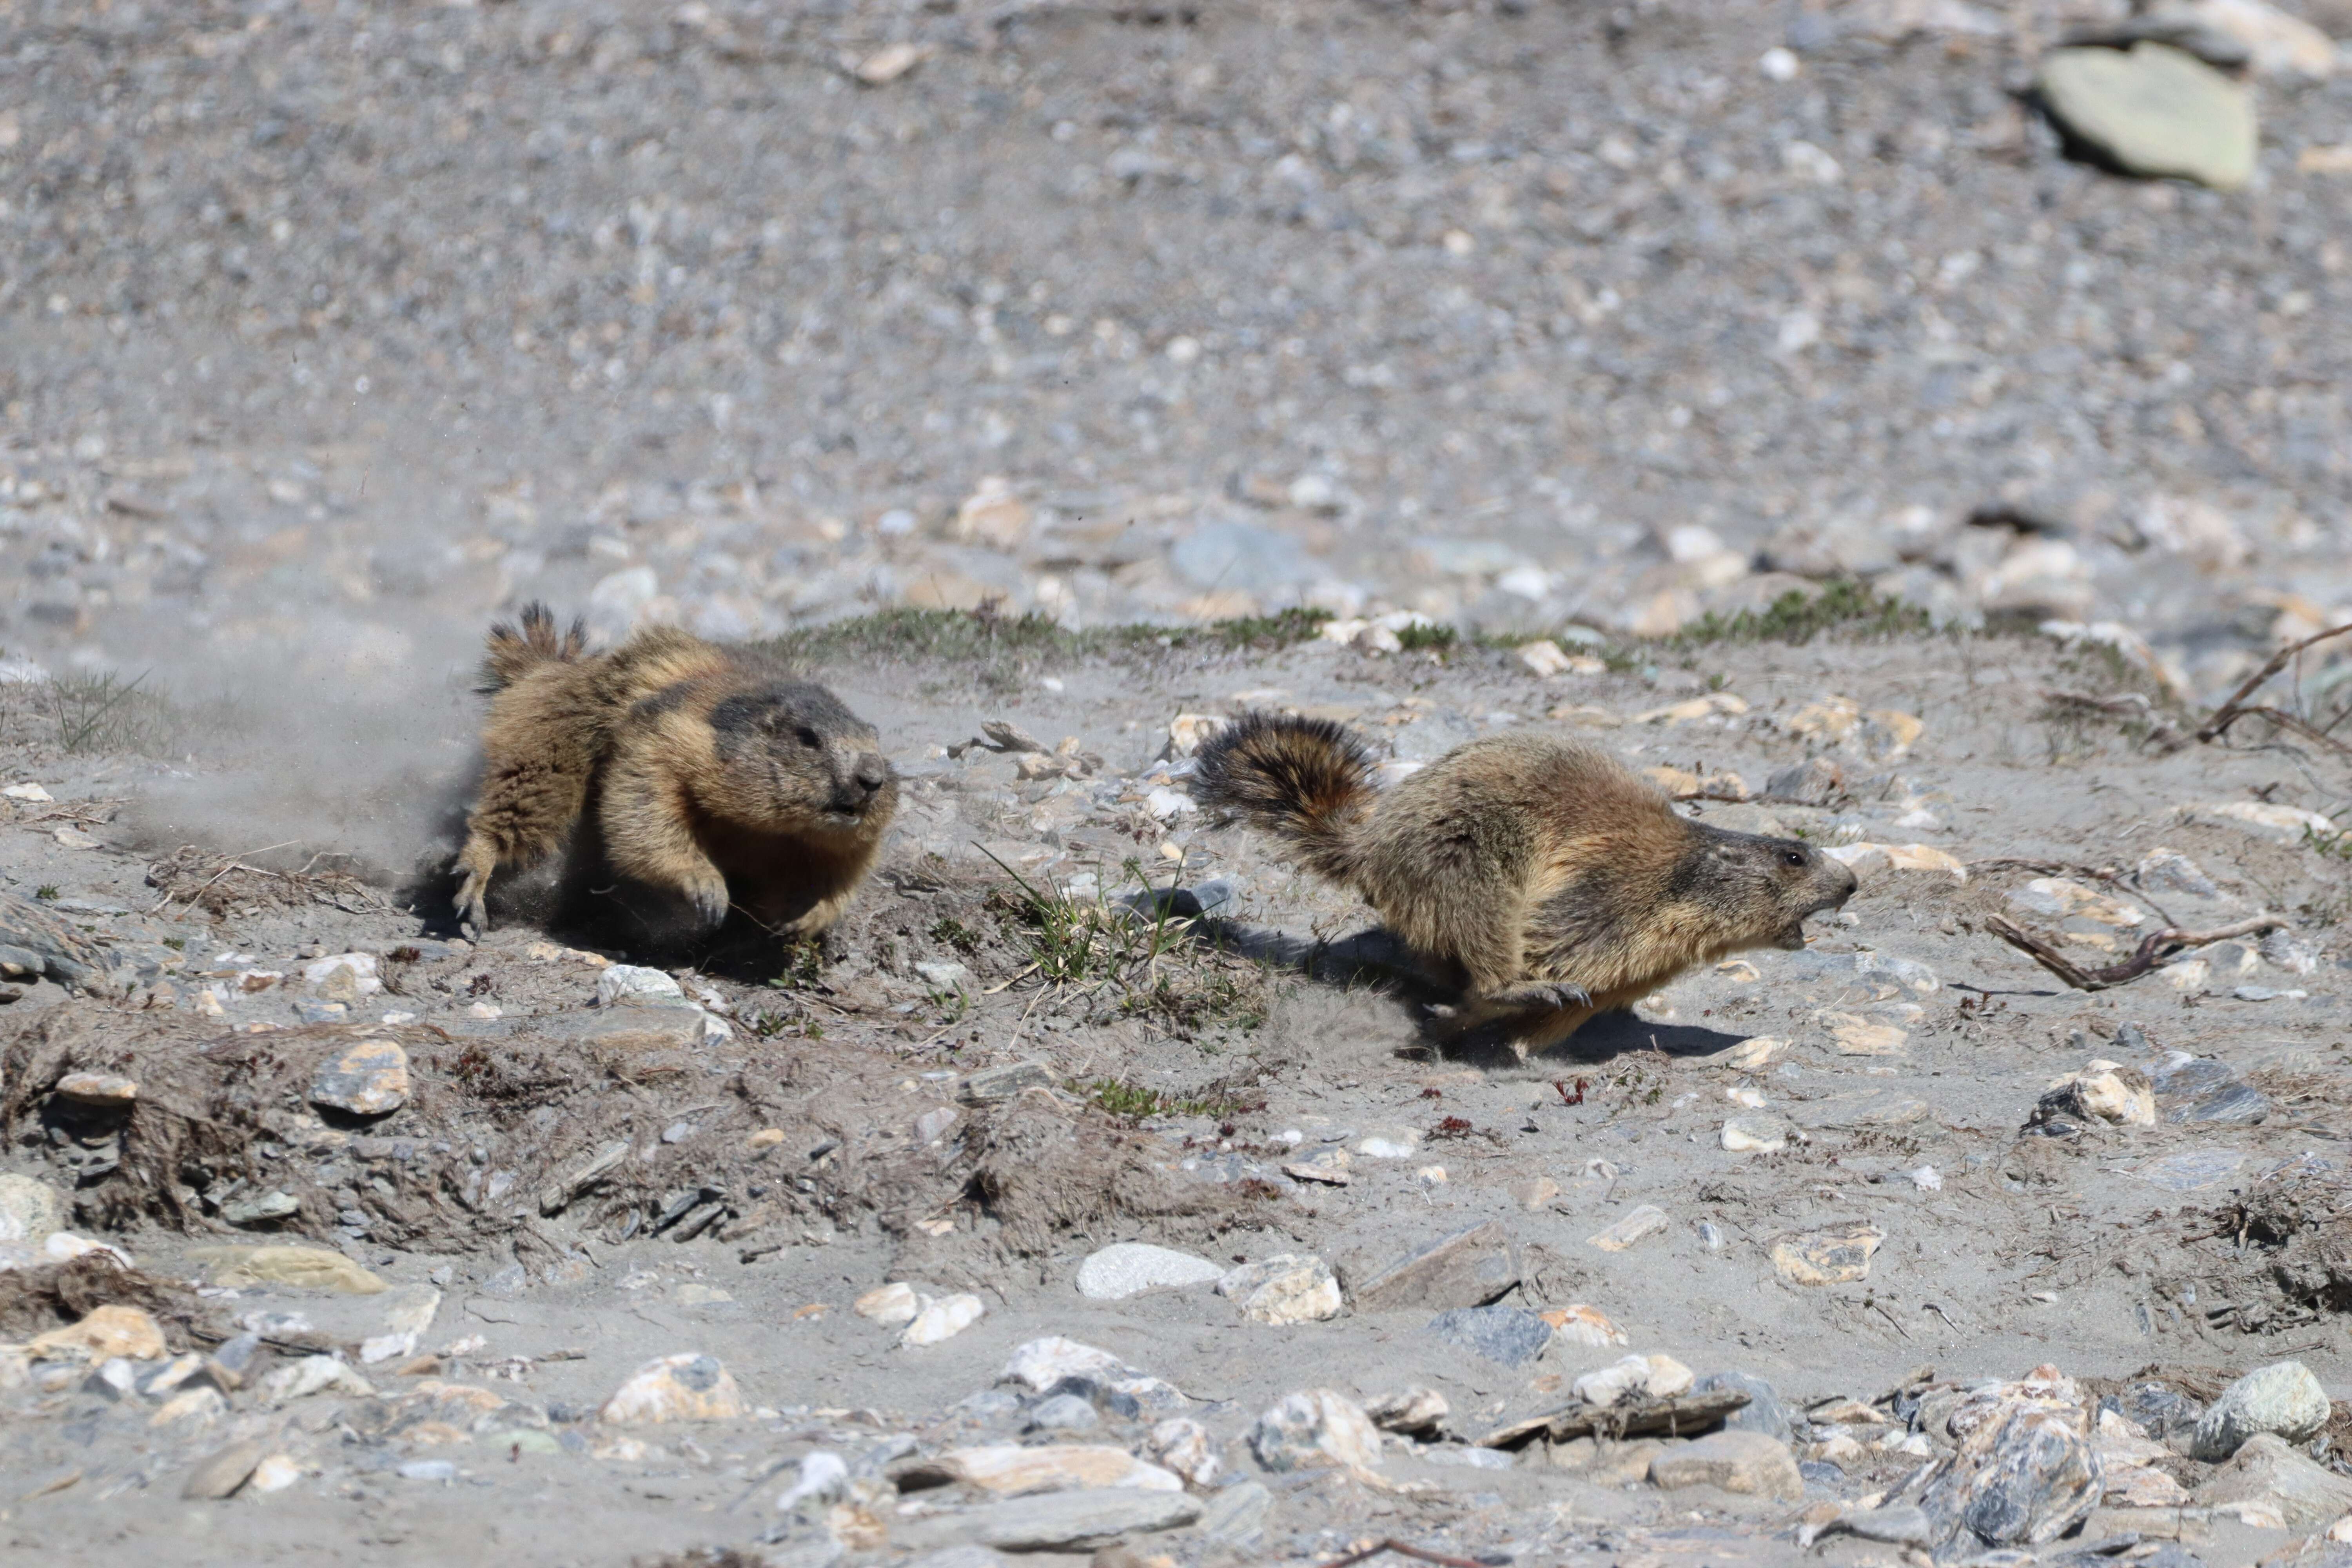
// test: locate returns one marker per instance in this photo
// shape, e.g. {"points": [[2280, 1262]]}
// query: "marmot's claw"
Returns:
{"points": [[709, 905], [1542, 993]]}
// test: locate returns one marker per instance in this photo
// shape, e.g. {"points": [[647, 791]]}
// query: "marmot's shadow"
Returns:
{"points": [[576, 897], [1375, 957]]}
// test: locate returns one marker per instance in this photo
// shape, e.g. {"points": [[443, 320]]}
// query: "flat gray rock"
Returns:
{"points": [[1056, 1521], [2153, 110]]}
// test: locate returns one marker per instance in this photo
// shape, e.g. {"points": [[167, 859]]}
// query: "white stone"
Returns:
{"points": [[314, 1374], [2284, 1398], [823, 1477], [1649, 1376], [1582, 1325], [29, 1209], [1287, 1287], [1130, 1267], [1755, 1135], [1543, 657], [1388, 1143], [889, 1305], [634, 986], [1642, 1220], [1167, 805], [1010, 1470], [31, 792], [943, 1320], [688, 1387], [321, 974], [1317, 1429], [1038, 1365]]}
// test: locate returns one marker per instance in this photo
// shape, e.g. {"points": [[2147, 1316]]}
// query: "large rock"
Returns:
{"points": [[1732, 1461], [2153, 110], [684, 1388], [1836, 1256], [2283, 1397], [1765, 1411], [1316, 1428], [1010, 1470], [1504, 1334], [1057, 1521], [107, 1332], [2041, 1479], [34, 941], [1468, 1268], [2267, 1469], [631, 985], [1130, 1267], [304, 1267], [370, 1078], [1287, 1287], [29, 1210]]}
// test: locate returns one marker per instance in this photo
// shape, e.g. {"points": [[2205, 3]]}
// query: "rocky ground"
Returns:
{"points": [[1101, 1183], [1770, 392]]}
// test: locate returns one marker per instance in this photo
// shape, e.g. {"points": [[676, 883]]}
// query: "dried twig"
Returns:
{"points": [[2106, 874], [2235, 709], [2154, 947], [1402, 1550]]}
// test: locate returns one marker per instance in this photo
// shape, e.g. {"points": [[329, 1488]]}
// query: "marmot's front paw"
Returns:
{"points": [[710, 901]]}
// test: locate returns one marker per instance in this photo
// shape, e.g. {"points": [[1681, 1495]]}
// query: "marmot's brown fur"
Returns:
{"points": [[703, 772], [1553, 882]]}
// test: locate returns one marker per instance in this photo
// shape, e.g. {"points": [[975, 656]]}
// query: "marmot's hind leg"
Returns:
{"points": [[524, 813]]}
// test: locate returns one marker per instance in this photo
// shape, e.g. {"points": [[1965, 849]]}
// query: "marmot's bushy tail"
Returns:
{"points": [[1309, 780], [515, 650]]}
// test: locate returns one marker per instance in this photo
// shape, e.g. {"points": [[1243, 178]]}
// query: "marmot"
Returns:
{"points": [[705, 773], [1551, 881]]}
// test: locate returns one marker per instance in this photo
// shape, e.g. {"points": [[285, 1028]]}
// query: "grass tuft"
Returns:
{"points": [[1846, 608]]}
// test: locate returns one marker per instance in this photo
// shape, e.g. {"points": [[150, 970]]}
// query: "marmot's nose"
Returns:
{"points": [[873, 773]]}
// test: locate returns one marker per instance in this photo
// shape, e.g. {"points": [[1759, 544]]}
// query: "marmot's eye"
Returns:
{"points": [[808, 737], [1792, 857]]}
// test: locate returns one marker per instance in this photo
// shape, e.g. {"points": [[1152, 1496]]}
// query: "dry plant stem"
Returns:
{"points": [[2112, 878], [2229, 712], [1402, 1550], [2155, 945]]}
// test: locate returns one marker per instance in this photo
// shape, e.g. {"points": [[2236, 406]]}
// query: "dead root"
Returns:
{"points": [[219, 883], [35, 1301], [2240, 704], [2153, 948]]}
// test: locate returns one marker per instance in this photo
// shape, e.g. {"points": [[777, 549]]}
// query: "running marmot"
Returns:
{"points": [[701, 772], [1553, 882]]}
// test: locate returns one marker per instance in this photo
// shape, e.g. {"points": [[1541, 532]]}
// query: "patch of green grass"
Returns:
{"points": [[949, 931], [176, 943], [1435, 637], [1135, 1101], [2337, 846], [803, 966], [1845, 607], [1000, 644], [1075, 940], [46, 891], [1236, 995]]}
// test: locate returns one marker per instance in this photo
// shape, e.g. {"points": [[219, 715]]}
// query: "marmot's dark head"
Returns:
{"points": [[1761, 889], [791, 756]]}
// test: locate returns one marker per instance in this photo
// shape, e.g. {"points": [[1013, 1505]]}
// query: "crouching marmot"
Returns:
{"points": [[1553, 882], [705, 773]]}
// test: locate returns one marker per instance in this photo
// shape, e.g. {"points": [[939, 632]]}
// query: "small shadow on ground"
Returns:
{"points": [[1375, 957]]}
